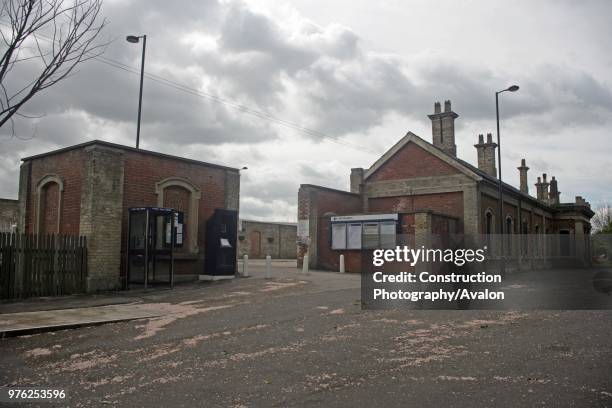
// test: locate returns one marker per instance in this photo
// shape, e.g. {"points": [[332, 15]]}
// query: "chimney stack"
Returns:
{"points": [[443, 128], [542, 188], [486, 155], [356, 180], [554, 192], [523, 177]]}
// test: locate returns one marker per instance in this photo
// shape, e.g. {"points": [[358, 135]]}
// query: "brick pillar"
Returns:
{"points": [[25, 178], [579, 236], [232, 197], [356, 180], [101, 216], [232, 190], [307, 226]]}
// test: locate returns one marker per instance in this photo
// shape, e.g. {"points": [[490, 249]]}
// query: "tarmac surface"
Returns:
{"points": [[303, 340]]}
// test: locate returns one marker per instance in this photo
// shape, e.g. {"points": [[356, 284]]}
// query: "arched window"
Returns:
{"points": [[183, 196], [509, 225], [50, 190], [488, 222], [509, 232]]}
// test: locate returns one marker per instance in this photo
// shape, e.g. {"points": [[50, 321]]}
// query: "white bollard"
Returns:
{"points": [[268, 266], [245, 266], [305, 264], [341, 263]]}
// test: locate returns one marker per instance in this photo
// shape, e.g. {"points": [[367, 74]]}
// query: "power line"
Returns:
{"points": [[230, 103], [227, 102]]}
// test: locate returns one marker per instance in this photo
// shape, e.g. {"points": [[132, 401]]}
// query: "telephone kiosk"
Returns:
{"points": [[153, 235]]}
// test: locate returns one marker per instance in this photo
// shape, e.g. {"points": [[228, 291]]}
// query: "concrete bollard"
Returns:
{"points": [[305, 264], [245, 266], [341, 263], [268, 266]]}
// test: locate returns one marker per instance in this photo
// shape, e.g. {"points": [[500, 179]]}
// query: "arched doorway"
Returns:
{"points": [[49, 205]]}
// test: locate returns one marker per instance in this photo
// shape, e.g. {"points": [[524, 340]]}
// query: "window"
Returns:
{"points": [[509, 230], [338, 236], [489, 222]]}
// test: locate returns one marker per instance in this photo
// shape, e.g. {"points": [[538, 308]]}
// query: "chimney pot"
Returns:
{"points": [[480, 139], [437, 108], [489, 138], [523, 177], [447, 105]]}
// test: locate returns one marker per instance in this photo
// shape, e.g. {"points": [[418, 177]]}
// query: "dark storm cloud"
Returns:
{"points": [[319, 77]]}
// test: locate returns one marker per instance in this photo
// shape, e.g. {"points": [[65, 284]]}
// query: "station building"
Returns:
{"points": [[87, 189], [419, 187]]}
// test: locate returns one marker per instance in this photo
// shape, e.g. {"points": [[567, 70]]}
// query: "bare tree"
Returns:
{"points": [[50, 37], [602, 220]]}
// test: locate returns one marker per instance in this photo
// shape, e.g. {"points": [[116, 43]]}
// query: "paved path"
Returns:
{"points": [[14, 324]]}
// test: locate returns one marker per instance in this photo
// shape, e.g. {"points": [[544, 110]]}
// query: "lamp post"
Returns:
{"points": [[512, 88], [134, 39]]}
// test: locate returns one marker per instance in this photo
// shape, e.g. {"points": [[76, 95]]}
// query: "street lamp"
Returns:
{"points": [[134, 40], [512, 88]]}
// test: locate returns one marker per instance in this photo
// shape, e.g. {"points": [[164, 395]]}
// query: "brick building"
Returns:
{"points": [[418, 187], [87, 189], [258, 239], [9, 210]]}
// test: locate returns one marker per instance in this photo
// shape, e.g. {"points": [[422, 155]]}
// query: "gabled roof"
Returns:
{"points": [[126, 148], [464, 167], [412, 138]]}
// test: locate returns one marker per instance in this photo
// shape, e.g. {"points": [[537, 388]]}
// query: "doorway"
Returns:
{"points": [[255, 239]]}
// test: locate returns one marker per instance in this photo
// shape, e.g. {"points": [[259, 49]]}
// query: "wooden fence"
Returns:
{"points": [[41, 265]]}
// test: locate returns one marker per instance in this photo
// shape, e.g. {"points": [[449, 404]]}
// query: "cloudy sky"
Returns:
{"points": [[343, 80]]}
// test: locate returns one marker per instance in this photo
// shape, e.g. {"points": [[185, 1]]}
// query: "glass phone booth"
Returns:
{"points": [[150, 246]]}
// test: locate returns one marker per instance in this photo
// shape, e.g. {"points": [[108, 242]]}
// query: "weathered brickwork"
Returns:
{"points": [[412, 162], [87, 189], [444, 193], [9, 214], [315, 204], [68, 168], [100, 219], [258, 239]]}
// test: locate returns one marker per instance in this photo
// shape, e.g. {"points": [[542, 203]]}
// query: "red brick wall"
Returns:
{"points": [[143, 171], [330, 258], [68, 166], [328, 201], [445, 203], [410, 162]]}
